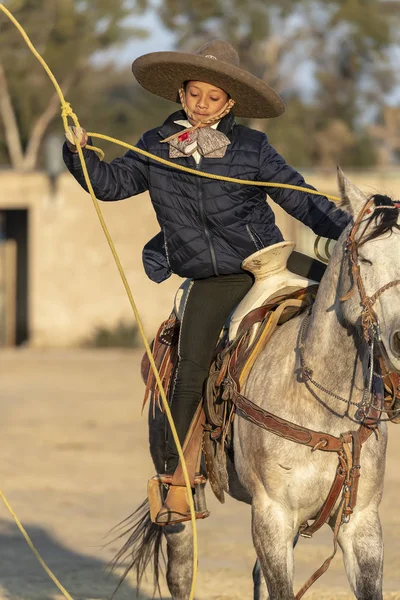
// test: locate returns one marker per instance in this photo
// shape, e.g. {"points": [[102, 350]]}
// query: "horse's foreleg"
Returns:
{"points": [[362, 546], [179, 559], [273, 540], [259, 585], [260, 589]]}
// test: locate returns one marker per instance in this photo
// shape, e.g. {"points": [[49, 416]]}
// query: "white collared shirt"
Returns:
{"points": [[186, 124]]}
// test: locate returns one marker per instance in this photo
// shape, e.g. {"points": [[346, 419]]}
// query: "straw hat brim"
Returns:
{"points": [[163, 73]]}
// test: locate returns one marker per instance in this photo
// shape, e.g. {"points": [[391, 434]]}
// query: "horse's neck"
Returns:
{"points": [[330, 350]]}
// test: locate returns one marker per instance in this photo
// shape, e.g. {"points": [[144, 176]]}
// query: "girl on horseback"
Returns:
{"points": [[208, 227]]}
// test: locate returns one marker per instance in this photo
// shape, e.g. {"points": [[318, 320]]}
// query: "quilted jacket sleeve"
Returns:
{"points": [[317, 212], [121, 178]]}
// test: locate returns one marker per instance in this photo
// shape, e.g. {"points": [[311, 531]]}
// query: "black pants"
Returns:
{"points": [[208, 305]]}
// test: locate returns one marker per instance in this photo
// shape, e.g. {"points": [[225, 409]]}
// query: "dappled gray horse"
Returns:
{"points": [[287, 483]]}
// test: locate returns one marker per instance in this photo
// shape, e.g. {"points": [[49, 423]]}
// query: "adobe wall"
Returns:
{"points": [[73, 281]]}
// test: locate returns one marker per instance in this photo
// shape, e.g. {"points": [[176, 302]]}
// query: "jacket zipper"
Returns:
{"points": [[166, 248], [255, 239], [203, 220]]}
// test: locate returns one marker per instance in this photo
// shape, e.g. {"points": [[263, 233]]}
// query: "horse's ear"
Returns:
{"points": [[352, 198]]}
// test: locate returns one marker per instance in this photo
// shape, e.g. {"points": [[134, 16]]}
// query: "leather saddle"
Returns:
{"points": [[272, 278], [242, 339], [273, 281], [277, 295]]}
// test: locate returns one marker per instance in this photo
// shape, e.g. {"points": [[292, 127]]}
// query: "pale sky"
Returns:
{"points": [[161, 39]]}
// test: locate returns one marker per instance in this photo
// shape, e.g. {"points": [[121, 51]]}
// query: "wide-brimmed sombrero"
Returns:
{"points": [[217, 63]]}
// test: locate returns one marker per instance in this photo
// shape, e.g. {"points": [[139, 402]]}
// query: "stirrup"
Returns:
{"points": [[169, 503]]}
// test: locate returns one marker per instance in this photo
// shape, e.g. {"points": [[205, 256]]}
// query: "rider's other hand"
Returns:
{"points": [[80, 134]]}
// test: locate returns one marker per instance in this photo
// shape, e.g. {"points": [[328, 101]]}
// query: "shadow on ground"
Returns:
{"points": [[83, 576]]}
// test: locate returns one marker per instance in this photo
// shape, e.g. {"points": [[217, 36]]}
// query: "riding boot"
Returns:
{"points": [[169, 503], [168, 495]]}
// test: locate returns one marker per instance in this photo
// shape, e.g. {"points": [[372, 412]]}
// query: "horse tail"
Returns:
{"points": [[143, 547]]}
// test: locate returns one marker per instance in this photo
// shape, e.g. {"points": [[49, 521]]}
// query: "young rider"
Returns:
{"points": [[208, 227]]}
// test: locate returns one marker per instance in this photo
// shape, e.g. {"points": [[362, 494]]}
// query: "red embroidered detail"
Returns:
{"points": [[184, 136]]}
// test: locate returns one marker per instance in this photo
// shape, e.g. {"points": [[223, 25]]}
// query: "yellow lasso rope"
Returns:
{"points": [[32, 547], [67, 112], [173, 165]]}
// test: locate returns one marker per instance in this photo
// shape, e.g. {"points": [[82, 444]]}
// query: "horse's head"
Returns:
{"points": [[369, 286]]}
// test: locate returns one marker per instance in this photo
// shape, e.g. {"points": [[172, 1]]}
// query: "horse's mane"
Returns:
{"points": [[385, 216]]}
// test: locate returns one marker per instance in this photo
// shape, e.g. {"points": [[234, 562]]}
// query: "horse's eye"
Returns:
{"points": [[364, 261]]}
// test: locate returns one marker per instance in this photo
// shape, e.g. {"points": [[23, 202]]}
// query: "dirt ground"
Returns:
{"points": [[75, 463]]}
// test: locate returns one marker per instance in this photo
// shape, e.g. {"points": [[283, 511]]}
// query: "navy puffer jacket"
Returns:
{"points": [[208, 227]]}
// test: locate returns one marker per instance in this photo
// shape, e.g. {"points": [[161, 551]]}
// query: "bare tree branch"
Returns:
{"points": [[41, 125], [10, 124]]}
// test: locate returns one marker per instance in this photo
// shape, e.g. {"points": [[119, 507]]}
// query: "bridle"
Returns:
{"points": [[369, 319], [378, 360]]}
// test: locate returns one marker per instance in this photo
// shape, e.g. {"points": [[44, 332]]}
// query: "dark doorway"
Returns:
{"points": [[15, 227]]}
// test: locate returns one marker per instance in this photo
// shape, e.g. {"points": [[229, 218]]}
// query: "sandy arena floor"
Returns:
{"points": [[75, 463]]}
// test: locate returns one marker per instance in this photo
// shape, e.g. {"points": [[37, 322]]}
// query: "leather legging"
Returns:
{"points": [[208, 305]]}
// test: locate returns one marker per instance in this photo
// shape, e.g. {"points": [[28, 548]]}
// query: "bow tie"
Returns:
{"points": [[209, 142]]}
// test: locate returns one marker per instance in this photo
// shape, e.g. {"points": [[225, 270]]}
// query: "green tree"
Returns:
{"points": [[68, 34], [345, 44]]}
